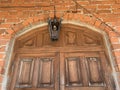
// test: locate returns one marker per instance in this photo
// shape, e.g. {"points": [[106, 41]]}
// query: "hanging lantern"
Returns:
{"points": [[54, 27]]}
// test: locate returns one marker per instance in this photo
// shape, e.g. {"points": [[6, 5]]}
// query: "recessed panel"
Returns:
{"points": [[73, 71], [45, 72], [95, 72], [73, 74], [70, 38], [25, 73]]}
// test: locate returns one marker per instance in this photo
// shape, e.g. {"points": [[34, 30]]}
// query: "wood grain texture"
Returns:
{"points": [[75, 62], [68, 38]]}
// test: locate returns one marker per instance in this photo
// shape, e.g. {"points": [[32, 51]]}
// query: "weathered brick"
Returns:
{"points": [[2, 55], [3, 41], [5, 26], [2, 48], [102, 7], [2, 63], [117, 53], [114, 40], [97, 23], [102, 2]]}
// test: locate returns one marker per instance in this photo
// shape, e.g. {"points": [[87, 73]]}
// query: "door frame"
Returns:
{"points": [[12, 53]]}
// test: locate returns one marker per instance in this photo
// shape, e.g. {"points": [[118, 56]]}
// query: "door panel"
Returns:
{"points": [[36, 73], [73, 72], [25, 73], [85, 88], [46, 72], [62, 71], [83, 71], [95, 71]]}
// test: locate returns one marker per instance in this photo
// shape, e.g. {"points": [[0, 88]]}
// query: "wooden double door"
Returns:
{"points": [[61, 71]]}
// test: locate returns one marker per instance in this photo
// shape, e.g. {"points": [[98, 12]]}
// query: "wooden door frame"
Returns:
{"points": [[108, 49]]}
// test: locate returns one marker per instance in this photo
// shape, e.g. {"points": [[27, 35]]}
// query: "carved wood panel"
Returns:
{"points": [[73, 71], [46, 76], [25, 73], [38, 72], [95, 71], [84, 72], [69, 37]]}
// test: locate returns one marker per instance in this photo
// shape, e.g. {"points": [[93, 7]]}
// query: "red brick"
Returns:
{"points": [[116, 46], [83, 2], [2, 56], [97, 23], [12, 20], [91, 6], [113, 34], [117, 1], [114, 40], [2, 63], [102, 2], [104, 6], [102, 26], [48, 8], [2, 49], [6, 36], [3, 14], [75, 16], [118, 29], [5, 1], [70, 16], [2, 21], [29, 1], [111, 19], [5, 25], [3, 41], [117, 53], [93, 20], [104, 11], [18, 27], [116, 11], [115, 23], [10, 31], [108, 30], [115, 6], [65, 16]]}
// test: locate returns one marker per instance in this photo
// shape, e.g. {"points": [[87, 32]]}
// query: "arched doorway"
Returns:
{"points": [[77, 61]]}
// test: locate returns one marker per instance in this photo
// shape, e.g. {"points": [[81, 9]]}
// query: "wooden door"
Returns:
{"points": [[33, 72], [79, 64], [84, 71], [61, 71]]}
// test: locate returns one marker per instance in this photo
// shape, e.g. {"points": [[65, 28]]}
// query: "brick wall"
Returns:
{"points": [[18, 14]]}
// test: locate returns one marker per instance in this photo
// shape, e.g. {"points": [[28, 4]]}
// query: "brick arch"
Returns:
{"points": [[87, 19], [75, 19]]}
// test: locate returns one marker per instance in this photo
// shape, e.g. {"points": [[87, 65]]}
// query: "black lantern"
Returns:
{"points": [[54, 27]]}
